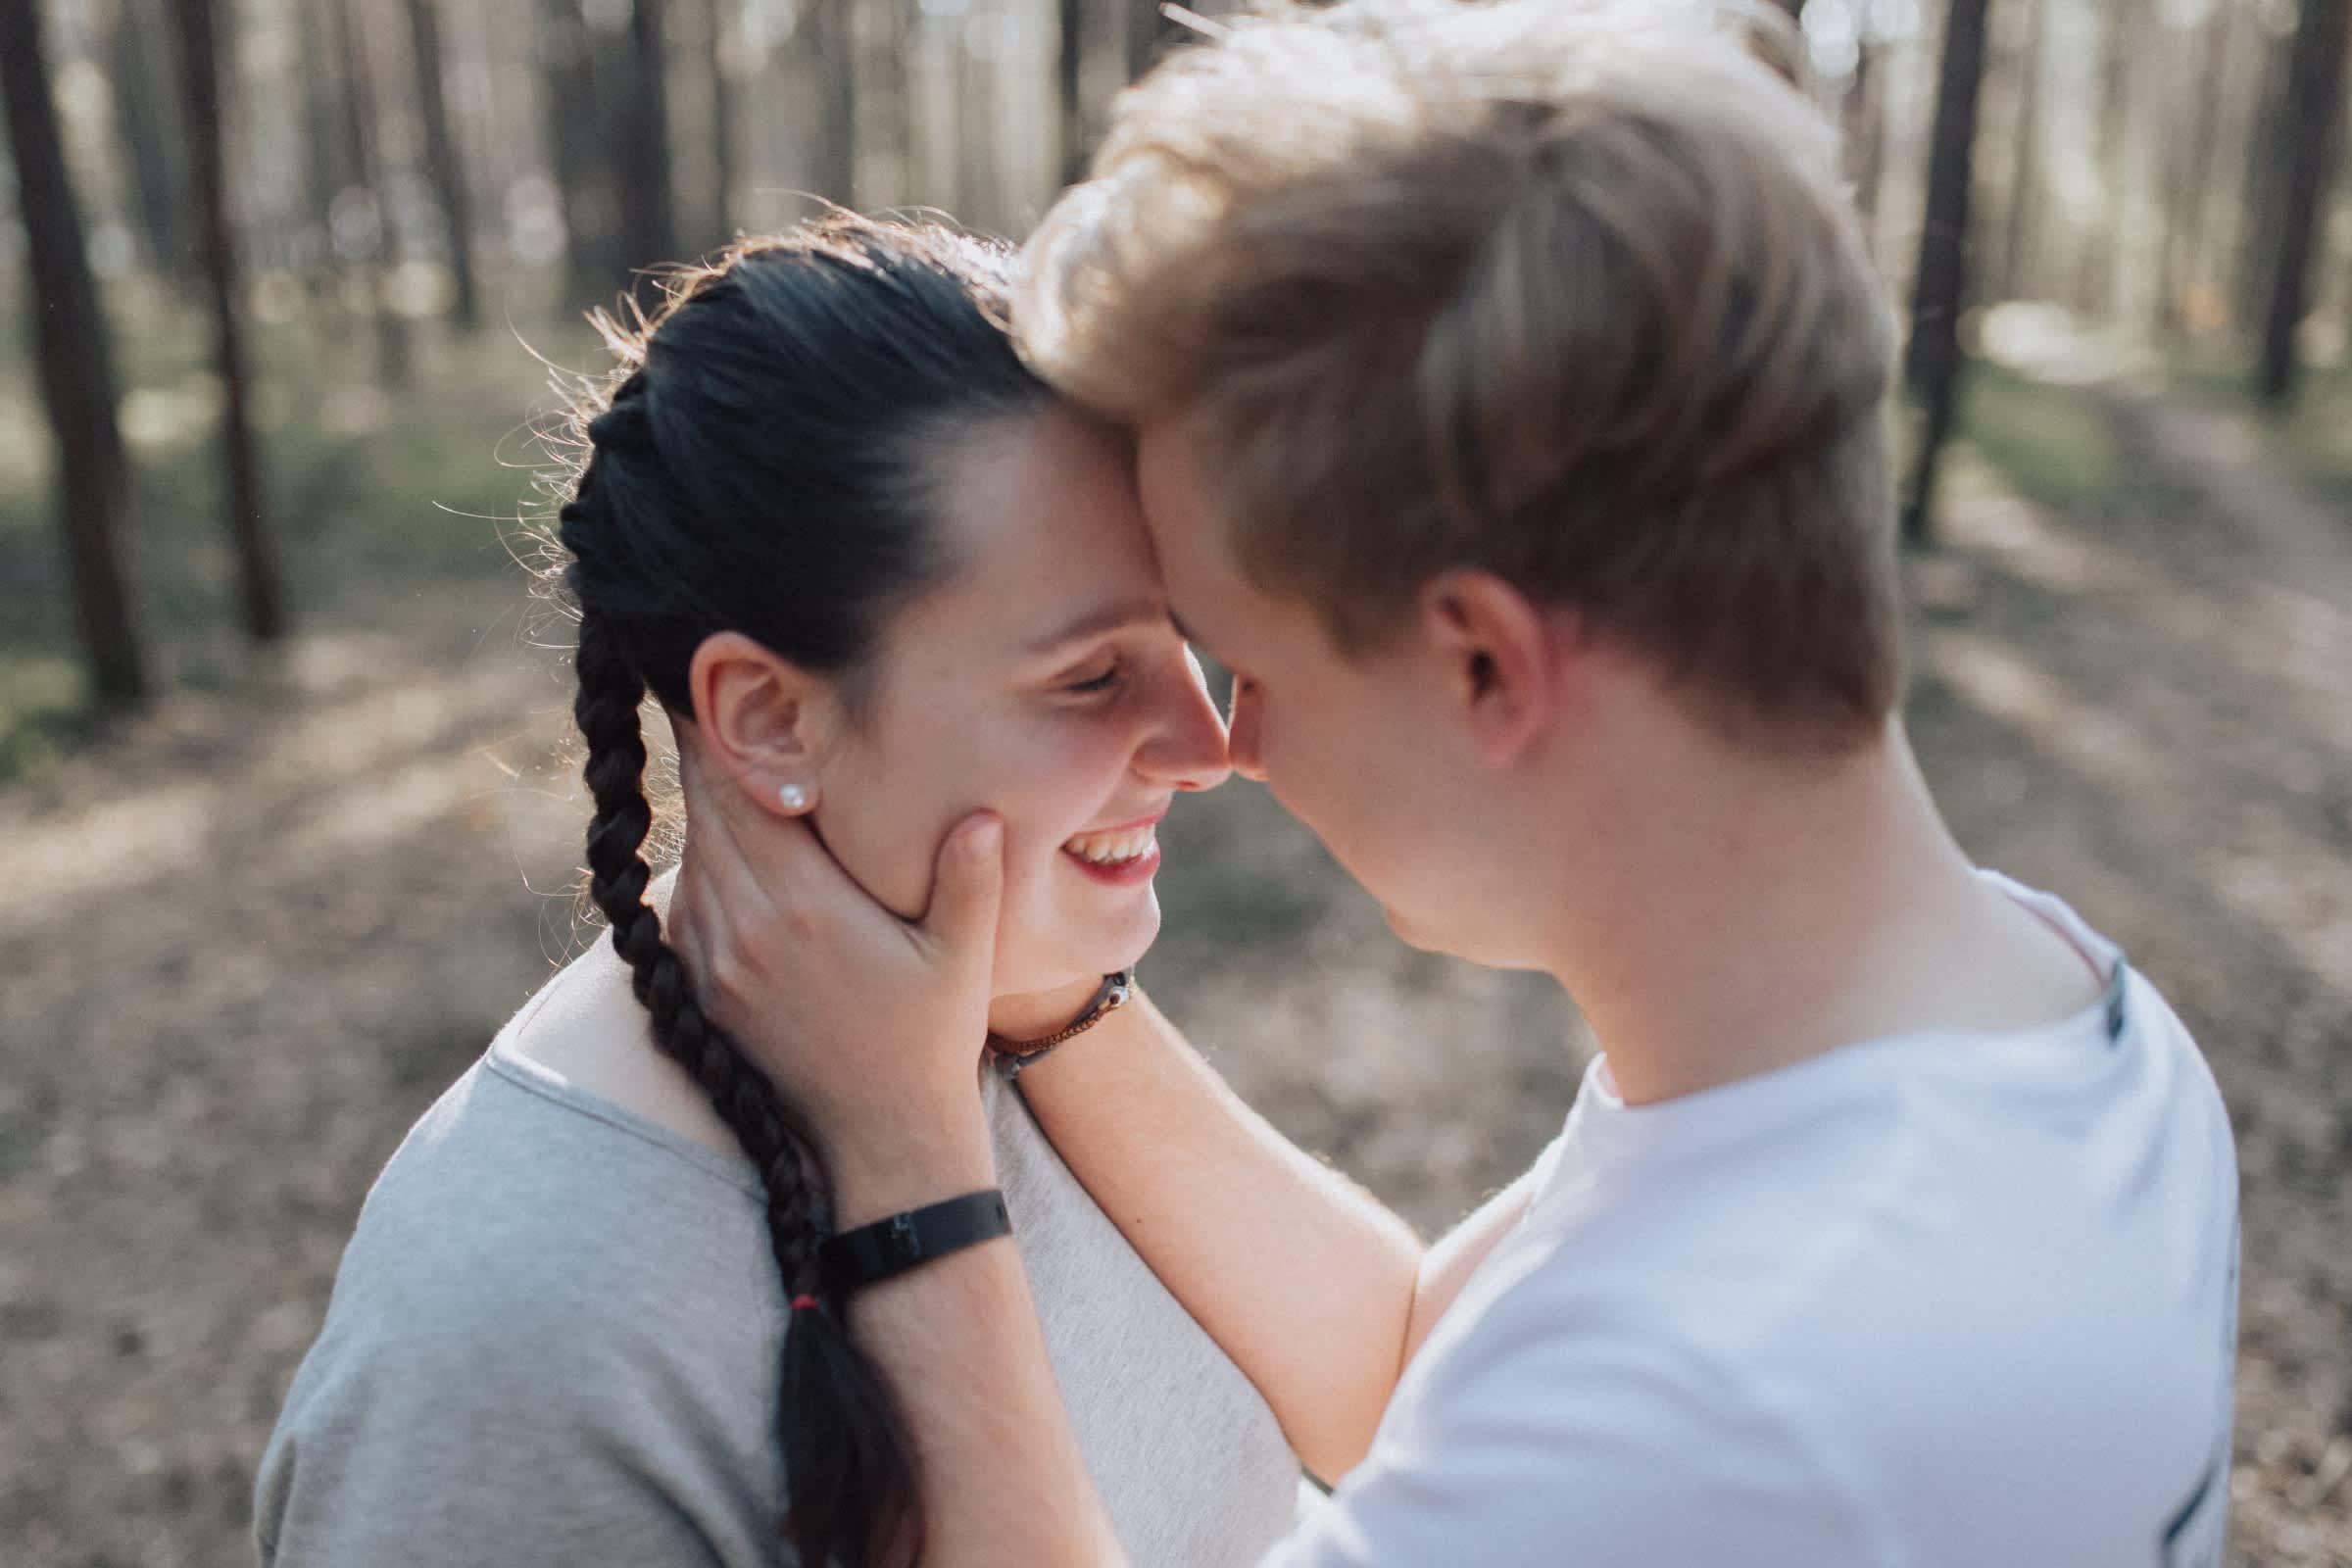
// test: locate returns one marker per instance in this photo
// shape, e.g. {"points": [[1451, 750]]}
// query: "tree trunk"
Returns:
{"points": [[2266, 155], [832, 50], [1865, 132], [2211, 61], [364, 234], [648, 201], [2025, 166], [145, 107], [442, 161], [258, 593], [978, 190], [721, 16], [581, 154], [886, 100], [2094, 284], [2315, 112], [1932, 362], [1069, 87], [76, 365], [324, 178], [1150, 34]]}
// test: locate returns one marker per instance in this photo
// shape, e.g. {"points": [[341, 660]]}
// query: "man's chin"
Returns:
{"points": [[1411, 935], [1426, 938]]}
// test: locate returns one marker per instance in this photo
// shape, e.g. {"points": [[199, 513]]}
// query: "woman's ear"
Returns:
{"points": [[761, 720], [1502, 659]]}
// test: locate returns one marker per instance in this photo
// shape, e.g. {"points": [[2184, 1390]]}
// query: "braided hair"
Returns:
{"points": [[761, 465]]}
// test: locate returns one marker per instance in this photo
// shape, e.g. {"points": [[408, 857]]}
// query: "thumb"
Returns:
{"points": [[966, 886]]}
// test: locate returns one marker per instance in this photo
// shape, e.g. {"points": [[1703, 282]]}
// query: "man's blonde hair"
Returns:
{"points": [[1567, 290]]}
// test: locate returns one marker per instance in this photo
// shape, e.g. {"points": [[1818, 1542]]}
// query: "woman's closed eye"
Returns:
{"points": [[1098, 678]]}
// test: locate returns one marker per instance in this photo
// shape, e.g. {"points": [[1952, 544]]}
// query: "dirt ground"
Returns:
{"points": [[251, 936]]}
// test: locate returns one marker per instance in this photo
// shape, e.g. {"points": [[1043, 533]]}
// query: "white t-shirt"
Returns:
{"points": [[1932, 1301]]}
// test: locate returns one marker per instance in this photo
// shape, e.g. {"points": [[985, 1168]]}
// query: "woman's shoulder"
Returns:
{"points": [[525, 1204], [587, 1029], [547, 1324]]}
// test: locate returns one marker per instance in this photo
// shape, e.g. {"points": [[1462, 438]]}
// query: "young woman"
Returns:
{"points": [[830, 521]]}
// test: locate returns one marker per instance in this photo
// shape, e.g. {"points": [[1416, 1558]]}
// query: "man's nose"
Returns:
{"points": [[1245, 731], [1189, 749]]}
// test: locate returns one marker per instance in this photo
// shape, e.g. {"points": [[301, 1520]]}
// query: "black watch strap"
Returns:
{"points": [[874, 1252]]}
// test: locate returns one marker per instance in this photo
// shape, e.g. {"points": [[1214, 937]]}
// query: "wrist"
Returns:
{"points": [[1111, 1046], [1026, 1014], [908, 1162]]}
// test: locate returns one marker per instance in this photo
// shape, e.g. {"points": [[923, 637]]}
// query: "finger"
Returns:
{"points": [[747, 853], [773, 873], [966, 886]]}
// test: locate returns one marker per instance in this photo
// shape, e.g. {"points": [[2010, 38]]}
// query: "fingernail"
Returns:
{"points": [[985, 840]]}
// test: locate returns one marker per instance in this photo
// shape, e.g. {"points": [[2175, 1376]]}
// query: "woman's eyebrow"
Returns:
{"points": [[1117, 616]]}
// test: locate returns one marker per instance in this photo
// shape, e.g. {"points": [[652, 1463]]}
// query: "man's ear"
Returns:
{"points": [[760, 718], [1501, 658]]}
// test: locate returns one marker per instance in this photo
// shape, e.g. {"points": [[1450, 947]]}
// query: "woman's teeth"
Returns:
{"points": [[1112, 848]]}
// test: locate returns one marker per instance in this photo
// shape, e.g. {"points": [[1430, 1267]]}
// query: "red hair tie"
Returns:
{"points": [[801, 1302]]}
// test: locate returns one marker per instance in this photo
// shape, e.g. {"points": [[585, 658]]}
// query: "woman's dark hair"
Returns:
{"points": [[763, 464]]}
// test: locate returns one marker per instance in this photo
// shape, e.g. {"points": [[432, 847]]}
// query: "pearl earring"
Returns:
{"points": [[795, 797]]}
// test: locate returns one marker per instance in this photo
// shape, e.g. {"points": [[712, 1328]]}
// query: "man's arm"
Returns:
{"points": [[1447, 1266], [1298, 1274], [1319, 1293]]}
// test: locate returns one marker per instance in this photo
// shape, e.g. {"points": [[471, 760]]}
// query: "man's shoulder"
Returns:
{"points": [[1887, 1317]]}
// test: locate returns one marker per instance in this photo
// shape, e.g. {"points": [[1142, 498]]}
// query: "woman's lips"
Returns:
{"points": [[1118, 874], [1119, 857]]}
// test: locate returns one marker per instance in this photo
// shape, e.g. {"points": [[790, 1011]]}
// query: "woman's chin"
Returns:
{"points": [[1079, 959]]}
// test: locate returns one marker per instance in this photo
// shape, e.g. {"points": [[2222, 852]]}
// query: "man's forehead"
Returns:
{"points": [[1175, 502]]}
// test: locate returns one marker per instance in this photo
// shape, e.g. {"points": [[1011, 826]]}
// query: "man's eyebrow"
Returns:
{"points": [[1117, 616]]}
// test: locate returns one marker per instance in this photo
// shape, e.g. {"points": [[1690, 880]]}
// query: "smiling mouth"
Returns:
{"points": [[1118, 848]]}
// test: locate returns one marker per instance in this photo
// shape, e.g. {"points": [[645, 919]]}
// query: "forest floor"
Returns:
{"points": [[252, 934]]}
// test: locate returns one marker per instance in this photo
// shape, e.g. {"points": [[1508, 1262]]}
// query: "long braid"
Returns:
{"points": [[852, 1488], [767, 465]]}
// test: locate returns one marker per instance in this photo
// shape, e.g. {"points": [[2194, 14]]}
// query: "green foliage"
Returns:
{"points": [[2312, 435], [2051, 443], [375, 491]]}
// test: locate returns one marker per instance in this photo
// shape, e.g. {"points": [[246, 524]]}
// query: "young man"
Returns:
{"points": [[1509, 387]]}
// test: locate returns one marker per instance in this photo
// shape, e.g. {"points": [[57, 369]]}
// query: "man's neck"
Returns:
{"points": [[1764, 913]]}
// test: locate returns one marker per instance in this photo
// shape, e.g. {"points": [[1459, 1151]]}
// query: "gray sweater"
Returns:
{"points": [[555, 1335]]}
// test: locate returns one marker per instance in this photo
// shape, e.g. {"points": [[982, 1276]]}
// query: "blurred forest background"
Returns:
{"points": [[283, 288]]}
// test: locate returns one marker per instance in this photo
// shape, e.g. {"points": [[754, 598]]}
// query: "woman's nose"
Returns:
{"points": [[1187, 744]]}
